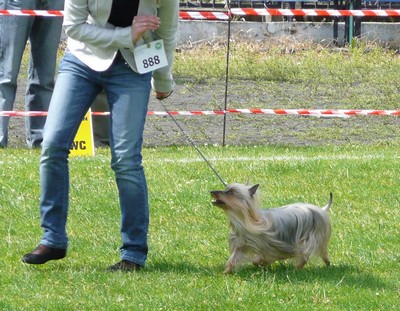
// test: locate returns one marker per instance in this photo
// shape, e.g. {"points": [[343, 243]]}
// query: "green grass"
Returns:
{"points": [[188, 236], [297, 75]]}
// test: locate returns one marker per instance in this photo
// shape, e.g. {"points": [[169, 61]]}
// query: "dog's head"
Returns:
{"points": [[236, 198], [241, 205]]}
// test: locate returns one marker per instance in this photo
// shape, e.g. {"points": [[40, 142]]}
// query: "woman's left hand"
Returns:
{"points": [[162, 95]]}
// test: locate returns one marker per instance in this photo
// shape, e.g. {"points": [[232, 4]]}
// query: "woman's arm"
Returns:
{"points": [[168, 12], [76, 26]]}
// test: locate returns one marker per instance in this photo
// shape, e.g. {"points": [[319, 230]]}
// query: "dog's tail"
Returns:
{"points": [[326, 207]]}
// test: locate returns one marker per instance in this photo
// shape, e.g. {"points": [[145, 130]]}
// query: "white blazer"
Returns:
{"points": [[95, 42]]}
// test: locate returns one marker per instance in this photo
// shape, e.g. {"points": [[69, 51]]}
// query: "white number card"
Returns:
{"points": [[149, 57]]}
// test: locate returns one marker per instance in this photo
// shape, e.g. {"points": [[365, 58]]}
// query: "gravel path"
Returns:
{"points": [[246, 129]]}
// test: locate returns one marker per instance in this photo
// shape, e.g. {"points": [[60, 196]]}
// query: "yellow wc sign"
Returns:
{"points": [[83, 144]]}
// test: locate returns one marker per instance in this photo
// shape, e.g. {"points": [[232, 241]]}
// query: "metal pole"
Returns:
{"points": [[351, 21], [227, 75], [336, 24]]}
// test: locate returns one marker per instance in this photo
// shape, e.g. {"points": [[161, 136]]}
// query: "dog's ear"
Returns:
{"points": [[253, 189]]}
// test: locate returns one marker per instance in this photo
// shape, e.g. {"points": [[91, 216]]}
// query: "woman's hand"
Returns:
{"points": [[143, 23], [162, 95]]}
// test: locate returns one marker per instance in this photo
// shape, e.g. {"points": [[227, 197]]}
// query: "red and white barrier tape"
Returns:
{"points": [[225, 15], [32, 12], [210, 15], [287, 12], [301, 112], [316, 12]]}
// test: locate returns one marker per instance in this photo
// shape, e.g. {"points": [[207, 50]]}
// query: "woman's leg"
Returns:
{"points": [[128, 96], [74, 91]]}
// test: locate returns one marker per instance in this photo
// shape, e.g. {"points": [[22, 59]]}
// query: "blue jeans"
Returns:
{"points": [[44, 37], [127, 94]]}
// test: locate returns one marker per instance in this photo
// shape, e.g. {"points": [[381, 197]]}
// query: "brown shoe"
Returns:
{"points": [[43, 254], [125, 265]]}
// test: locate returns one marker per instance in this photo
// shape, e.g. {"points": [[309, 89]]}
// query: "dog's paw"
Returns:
{"points": [[228, 269]]}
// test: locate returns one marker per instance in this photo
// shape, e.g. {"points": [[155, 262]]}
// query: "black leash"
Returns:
{"points": [[193, 144]]}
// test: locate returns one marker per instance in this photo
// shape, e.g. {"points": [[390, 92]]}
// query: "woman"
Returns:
{"points": [[102, 37]]}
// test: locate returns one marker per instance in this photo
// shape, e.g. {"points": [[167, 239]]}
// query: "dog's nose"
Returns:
{"points": [[214, 192]]}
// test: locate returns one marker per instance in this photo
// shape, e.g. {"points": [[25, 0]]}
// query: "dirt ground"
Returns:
{"points": [[244, 129]]}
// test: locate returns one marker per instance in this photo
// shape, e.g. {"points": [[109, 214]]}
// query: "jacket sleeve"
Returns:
{"points": [[79, 24], [168, 11]]}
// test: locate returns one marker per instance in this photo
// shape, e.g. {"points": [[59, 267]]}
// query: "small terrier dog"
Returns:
{"points": [[264, 236]]}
